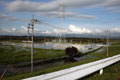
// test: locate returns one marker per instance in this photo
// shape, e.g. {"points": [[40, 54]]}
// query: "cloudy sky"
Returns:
{"points": [[60, 16]]}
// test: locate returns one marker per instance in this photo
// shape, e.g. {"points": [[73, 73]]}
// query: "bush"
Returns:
{"points": [[71, 51]]}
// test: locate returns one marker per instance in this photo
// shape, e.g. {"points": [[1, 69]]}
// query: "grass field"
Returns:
{"points": [[110, 73], [12, 55], [114, 49]]}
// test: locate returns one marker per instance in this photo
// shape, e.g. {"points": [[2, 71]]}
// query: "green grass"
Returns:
{"points": [[48, 70], [110, 73], [113, 50], [12, 55], [48, 53]]}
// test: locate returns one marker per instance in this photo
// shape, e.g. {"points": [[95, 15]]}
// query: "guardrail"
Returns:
{"points": [[78, 72]]}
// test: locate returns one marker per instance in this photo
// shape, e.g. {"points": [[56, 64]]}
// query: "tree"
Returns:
{"points": [[71, 51]]}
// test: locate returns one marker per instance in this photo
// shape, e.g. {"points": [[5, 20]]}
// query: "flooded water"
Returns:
{"points": [[11, 69], [57, 46]]}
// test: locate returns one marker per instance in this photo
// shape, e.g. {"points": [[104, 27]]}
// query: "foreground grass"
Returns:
{"points": [[110, 73], [113, 50], [48, 70]]}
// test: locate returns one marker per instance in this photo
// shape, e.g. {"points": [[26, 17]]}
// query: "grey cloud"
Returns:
{"points": [[112, 5], [7, 18], [32, 6], [2, 2], [67, 14], [81, 3], [78, 15], [50, 6], [11, 18]]}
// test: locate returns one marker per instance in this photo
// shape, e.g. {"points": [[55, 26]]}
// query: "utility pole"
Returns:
{"points": [[107, 32], [32, 43], [31, 26]]}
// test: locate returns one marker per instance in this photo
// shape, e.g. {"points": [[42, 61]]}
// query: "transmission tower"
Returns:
{"points": [[61, 14]]}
